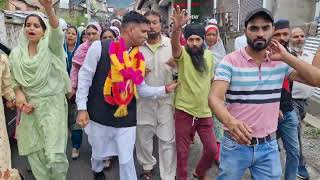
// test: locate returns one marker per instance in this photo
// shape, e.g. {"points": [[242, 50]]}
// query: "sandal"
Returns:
{"points": [[146, 175]]}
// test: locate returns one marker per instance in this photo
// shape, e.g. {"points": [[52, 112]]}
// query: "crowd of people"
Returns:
{"points": [[124, 84]]}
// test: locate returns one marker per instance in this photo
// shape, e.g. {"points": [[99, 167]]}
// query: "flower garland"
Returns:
{"points": [[127, 71]]}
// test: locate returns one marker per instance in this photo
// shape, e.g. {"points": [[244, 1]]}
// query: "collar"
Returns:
{"points": [[248, 58], [163, 42]]}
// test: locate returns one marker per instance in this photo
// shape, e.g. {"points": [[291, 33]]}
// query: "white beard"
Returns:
{"points": [[297, 49]]}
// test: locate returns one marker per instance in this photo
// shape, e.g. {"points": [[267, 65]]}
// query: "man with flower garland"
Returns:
{"points": [[111, 77]]}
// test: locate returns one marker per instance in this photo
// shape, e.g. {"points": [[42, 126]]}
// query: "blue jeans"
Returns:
{"points": [[263, 160], [300, 106], [288, 131]]}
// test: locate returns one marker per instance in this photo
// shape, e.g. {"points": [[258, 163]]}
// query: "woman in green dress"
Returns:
{"points": [[41, 82]]}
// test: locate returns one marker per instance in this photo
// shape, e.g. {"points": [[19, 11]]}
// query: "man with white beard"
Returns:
{"points": [[301, 92]]}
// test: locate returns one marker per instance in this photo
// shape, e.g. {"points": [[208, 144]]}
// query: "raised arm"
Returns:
{"points": [[56, 35], [304, 72], [179, 19]]}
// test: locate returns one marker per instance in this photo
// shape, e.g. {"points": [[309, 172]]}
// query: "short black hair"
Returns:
{"points": [[43, 25], [134, 17], [153, 13]]}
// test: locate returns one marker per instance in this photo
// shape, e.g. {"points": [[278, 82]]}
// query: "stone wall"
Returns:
{"points": [[13, 31], [3, 33]]}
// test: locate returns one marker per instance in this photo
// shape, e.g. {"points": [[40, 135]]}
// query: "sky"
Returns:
{"points": [[120, 3]]}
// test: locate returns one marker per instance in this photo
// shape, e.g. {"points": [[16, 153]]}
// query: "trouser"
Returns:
{"points": [[126, 170], [263, 160], [48, 166], [299, 106], [167, 152], [185, 125], [288, 131], [110, 141], [76, 131]]}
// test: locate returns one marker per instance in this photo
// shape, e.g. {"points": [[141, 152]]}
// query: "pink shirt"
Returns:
{"points": [[254, 92]]}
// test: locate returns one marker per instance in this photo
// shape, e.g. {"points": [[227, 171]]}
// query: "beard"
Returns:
{"points": [[284, 43], [258, 44], [298, 47], [153, 35], [197, 58]]}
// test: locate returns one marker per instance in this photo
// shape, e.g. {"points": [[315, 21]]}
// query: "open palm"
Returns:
{"points": [[180, 17], [277, 51]]}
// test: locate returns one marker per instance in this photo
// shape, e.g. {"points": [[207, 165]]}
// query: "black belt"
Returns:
{"points": [[255, 141]]}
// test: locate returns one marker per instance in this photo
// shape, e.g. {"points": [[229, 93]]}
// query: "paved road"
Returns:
{"points": [[80, 169]]}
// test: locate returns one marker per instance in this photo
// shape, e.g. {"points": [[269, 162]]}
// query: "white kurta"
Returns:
{"points": [[155, 116]]}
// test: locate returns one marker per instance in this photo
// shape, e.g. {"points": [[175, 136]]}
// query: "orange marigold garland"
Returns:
{"points": [[127, 71]]}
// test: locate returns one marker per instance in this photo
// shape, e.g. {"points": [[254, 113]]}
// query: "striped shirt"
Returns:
{"points": [[254, 92]]}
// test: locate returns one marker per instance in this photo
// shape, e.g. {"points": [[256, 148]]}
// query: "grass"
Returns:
{"points": [[312, 132]]}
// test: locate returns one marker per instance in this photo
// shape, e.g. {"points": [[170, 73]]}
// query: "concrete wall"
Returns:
{"points": [[13, 31], [317, 11], [297, 11], [3, 33]]}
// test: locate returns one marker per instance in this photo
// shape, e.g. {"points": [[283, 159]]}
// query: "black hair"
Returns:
{"points": [[81, 36], [92, 26], [108, 29], [72, 27], [153, 13], [43, 25], [134, 17]]}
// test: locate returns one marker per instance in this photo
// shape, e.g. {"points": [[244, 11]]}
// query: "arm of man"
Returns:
{"points": [[175, 43], [179, 19], [151, 92], [239, 130], [304, 72], [86, 74], [85, 77], [316, 59]]}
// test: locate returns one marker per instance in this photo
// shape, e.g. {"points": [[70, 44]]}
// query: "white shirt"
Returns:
{"points": [[240, 42], [88, 70], [299, 90]]}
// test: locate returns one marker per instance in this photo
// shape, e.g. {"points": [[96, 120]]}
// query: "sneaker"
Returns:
{"points": [[303, 173], [99, 176], [75, 153]]}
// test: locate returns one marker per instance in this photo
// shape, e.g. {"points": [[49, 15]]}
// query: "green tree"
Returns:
{"points": [[3, 4]]}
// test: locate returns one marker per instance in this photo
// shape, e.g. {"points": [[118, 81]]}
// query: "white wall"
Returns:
{"points": [[297, 11], [317, 11]]}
